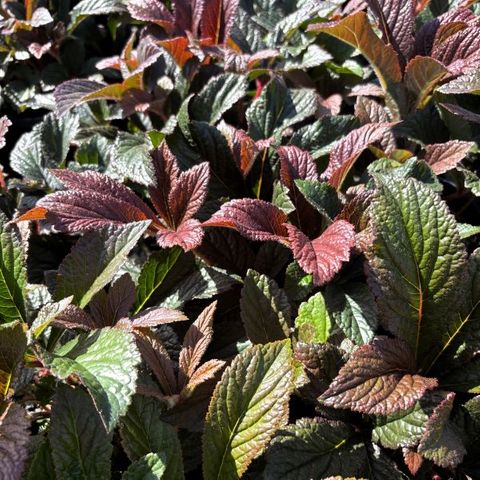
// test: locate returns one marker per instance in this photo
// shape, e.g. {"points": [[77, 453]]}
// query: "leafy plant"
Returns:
{"points": [[239, 239]]}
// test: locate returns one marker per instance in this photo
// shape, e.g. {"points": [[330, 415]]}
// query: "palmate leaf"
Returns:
{"points": [[13, 273], [324, 256], [94, 261], [315, 448], [378, 379], [14, 438], [248, 406], [106, 362], [143, 432], [81, 447], [415, 294], [264, 309], [13, 343]]}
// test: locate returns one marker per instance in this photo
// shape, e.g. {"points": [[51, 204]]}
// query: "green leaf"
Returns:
{"points": [[106, 362], [131, 159], [321, 195], [313, 322], [469, 83], [264, 309], [13, 274], [249, 404], [87, 8], [401, 429], [466, 231], [153, 273], [81, 447], [314, 448], [298, 284], [353, 309], [278, 108], [13, 343], [150, 467], [281, 198], [41, 465], [95, 260], [143, 432], [218, 96], [47, 314], [415, 264]]}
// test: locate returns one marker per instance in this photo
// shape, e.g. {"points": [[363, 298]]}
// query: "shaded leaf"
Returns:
{"points": [[81, 447], [150, 467], [13, 343], [321, 195], [143, 432], [14, 438], [264, 309]]}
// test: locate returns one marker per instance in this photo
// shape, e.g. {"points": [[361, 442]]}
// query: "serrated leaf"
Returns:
{"points": [[445, 156], [47, 314], [154, 271], [14, 438], [13, 273], [244, 416], [81, 447], [313, 322], [357, 32], [278, 108], [402, 429], [106, 362], [131, 158], [466, 231], [264, 309], [296, 163], [13, 343], [143, 432], [314, 448], [321, 195], [397, 23], [324, 256], [95, 260], [150, 467], [414, 295], [4, 124], [254, 219], [353, 309], [218, 96], [422, 75], [347, 150], [378, 379], [281, 198], [41, 465], [441, 442]]}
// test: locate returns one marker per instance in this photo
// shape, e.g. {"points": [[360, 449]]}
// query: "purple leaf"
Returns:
{"points": [[152, 317], [378, 379], [323, 257], [70, 93], [445, 156], [254, 219], [151, 11], [188, 235]]}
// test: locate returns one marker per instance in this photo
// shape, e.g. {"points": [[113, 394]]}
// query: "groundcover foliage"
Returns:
{"points": [[238, 239]]}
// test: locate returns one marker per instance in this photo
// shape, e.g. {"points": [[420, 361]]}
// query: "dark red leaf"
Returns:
{"points": [[254, 219], [347, 150], [242, 146], [151, 11], [413, 460], [296, 163], [90, 201], [217, 20], [323, 257], [378, 379]]}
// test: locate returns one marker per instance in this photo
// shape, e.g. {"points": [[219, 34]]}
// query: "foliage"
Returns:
{"points": [[239, 239]]}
